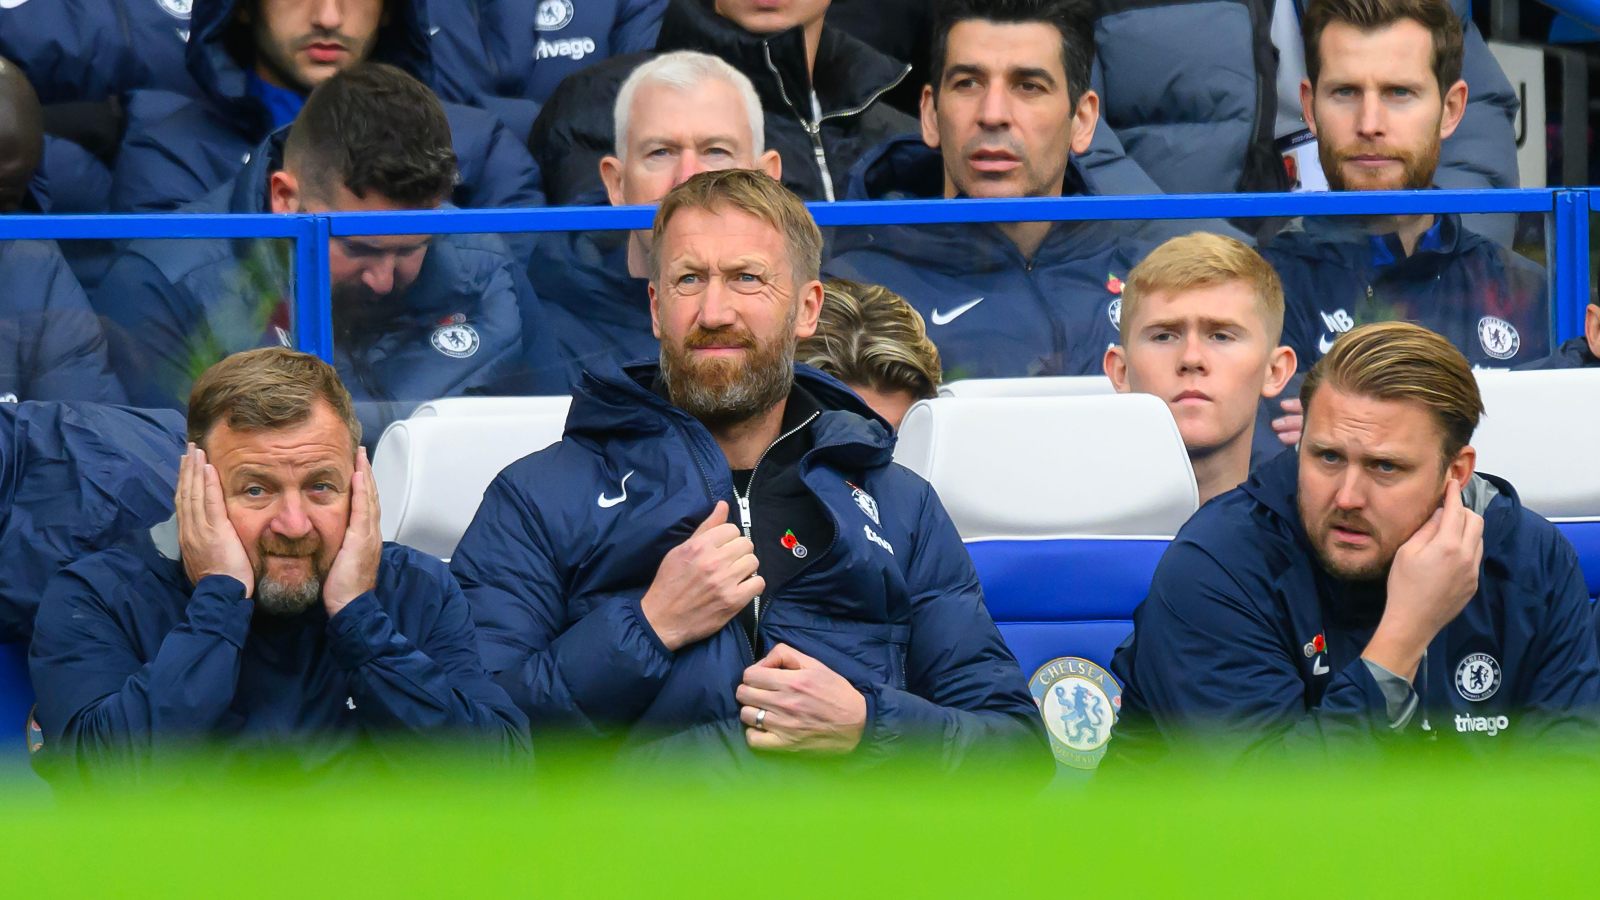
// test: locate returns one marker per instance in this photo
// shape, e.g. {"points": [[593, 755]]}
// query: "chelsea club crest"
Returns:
{"points": [[456, 339], [869, 506], [1477, 676], [1079, 702]]}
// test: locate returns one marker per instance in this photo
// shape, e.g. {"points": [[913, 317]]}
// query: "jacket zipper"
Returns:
{"points": [[814, 127], [745, 519]]}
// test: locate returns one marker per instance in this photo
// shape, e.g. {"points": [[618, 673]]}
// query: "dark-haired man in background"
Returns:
{"points": [[414, 317]]}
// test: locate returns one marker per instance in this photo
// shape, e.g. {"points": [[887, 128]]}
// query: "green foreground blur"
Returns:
{"points": [[580, 829]]}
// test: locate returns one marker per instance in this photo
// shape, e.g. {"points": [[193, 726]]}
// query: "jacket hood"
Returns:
{"points": [[615, 403], [247, 190], [219, 45], [850, 74], [1275, 485]]}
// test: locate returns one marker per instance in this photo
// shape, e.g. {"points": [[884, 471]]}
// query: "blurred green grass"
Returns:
{"points": [[1435, 828]]}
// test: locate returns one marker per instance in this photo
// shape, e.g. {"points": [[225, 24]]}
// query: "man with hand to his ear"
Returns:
{"points": [[1372, 591], [286, 624]]}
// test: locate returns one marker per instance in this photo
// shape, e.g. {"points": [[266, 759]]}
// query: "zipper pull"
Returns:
{"points": [[744, 514]]}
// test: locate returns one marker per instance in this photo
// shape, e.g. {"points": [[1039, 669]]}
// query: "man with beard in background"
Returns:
{"points": [[1383, 90], [415, 317], [720, 557]]}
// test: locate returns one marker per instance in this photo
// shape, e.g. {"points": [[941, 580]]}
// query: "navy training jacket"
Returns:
{"points": [[76, 478], [555, 574], [51, 344], [598, 313], [1574, 353], [168, 160], [992, 313], [1489, 301], [463, 327], [92, 49], [1246, 647], [129, 659]]}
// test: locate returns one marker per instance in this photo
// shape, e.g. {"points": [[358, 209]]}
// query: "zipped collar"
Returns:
{"points": [[621, 402], [849, 74]]}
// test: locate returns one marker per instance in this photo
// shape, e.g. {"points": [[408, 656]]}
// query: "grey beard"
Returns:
{"points": [[278, 599]]}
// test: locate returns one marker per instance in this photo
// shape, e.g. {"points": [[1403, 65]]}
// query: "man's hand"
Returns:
{"points": [[703, 582], [206, 538], [1434, 575], [809, 708], [1288, 426], [355, 569]]}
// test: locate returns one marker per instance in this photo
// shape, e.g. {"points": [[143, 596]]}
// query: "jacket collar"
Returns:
{"points": [[623, 402], [849, 73], [904, 168]]}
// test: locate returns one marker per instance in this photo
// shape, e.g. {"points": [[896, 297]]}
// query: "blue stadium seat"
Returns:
{"points": [[1066, 504]]}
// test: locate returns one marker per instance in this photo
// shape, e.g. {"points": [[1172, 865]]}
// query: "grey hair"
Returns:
{"points": [[682, 70]]}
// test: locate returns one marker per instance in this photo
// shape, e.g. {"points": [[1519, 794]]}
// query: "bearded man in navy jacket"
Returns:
{"points": [[1373, 591], [285, 625], [720, 557]]}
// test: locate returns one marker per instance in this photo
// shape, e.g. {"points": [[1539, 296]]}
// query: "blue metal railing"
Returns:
{"points": [[1569, 211]]}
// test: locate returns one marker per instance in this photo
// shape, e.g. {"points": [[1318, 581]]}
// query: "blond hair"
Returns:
{"points": [[756, 194], [265, 389], [1201, 260], [1402, 361], [870, 336]]}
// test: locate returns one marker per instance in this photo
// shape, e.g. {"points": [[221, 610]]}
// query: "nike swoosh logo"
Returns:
{"points": [[945, 318], [608, 502], [1324, 344], [11, 4], [433, 31], [1317, 668]]}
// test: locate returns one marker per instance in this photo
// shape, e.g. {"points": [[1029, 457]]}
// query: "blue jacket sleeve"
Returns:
{"points": [[431, 685], [100, 703], [1216, 681], [152, 174], [66, 349], [497, 171], [1562, 708], [965, 697], [594, 675]]}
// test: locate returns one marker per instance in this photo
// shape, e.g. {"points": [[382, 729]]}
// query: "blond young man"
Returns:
{"points": [[1201, 320], [1371, 591], [871, 339]]}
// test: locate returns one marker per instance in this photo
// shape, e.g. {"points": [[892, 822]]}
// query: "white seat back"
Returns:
{"points": [[494, 406], [1035, 468], [1541, 432], [431, 472], [1064, 386]]}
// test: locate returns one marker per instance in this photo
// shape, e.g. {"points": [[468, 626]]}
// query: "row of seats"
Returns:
{"points": [[1065, 493]]}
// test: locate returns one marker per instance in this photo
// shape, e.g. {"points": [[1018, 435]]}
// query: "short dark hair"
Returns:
{"points": [[376, 129], [1074, 19], [266, 389], [1369, 15]]}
